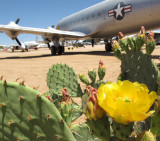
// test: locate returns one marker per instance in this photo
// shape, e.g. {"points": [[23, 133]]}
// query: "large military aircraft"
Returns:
{"points": [[101, 21]]}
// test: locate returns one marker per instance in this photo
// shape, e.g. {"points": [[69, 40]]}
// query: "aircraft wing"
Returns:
{"points": [[13, 30]]}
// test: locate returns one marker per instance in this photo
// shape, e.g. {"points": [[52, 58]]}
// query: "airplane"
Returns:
{"points": [[101, 21], [31, 44]]}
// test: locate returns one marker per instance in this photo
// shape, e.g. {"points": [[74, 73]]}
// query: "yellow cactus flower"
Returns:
{"points": [[125, 101]]}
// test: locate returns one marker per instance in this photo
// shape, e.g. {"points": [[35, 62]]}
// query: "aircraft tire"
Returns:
{"points": [[61, 50], [108, 47], [53, 50]]}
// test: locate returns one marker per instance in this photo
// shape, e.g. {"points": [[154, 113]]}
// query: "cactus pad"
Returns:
{"points": [[137, 66], [62, 76], [82, 132], [27, 115], [100, 128], [122, 131]]}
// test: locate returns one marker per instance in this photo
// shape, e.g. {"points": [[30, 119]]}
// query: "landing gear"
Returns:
{"points": [[108, 47], [26, 49], [53, 50], [59, 50]]}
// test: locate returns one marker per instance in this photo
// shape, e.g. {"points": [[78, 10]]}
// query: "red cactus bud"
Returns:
{"points": [[18, 139], [121, 36], [57, 137], [101, 64], [10, 122], [93, 111], [30, 117], [65, 96], [48, 116], [151, 36], [2, 104], [142, 31], [38, 135], [20, 97]]}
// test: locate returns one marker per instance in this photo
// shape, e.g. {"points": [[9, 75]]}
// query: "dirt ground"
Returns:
{"points": [[33, 66]]}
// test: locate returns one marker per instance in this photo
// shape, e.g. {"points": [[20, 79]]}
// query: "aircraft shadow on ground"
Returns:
{"points": [[99, 53]]}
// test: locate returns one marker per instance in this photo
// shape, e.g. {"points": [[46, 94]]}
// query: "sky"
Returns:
{"points": [[37, 13]]}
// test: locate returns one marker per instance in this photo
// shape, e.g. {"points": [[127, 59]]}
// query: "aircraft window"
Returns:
{"points": [[93, 15], [87, 18], [99, 14], [82, 19]]}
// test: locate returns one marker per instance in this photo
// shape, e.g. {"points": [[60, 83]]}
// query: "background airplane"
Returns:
{"points": [[101, 21]]}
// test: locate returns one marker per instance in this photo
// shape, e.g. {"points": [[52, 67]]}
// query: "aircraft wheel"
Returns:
{"points": [[53, 50], [108, 47], [61, 49]]}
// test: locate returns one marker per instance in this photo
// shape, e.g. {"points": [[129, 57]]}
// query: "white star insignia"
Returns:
{"points": [[119, 11]]}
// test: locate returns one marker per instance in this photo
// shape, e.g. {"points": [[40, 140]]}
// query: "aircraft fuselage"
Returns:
{"points": [[109, 17]]}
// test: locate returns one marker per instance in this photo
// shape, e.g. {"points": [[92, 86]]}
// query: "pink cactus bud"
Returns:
{"points": [[101, 64], [93, 111], [142, 31], [151, 36], [121, 36], [65, 96]]}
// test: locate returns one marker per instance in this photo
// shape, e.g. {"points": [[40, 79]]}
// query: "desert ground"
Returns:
{"points": [[32, 67]]}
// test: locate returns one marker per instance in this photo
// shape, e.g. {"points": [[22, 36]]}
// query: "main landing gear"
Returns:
{"points": [[55, 50], [108, 47]]}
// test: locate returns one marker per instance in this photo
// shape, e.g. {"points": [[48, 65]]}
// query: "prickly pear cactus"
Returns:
{"points": [[27, 115], [82, 133], [69, 110], [62, 76], [122, 131], [135, 64], [155, 120], [100, 128], [92, 75]]}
